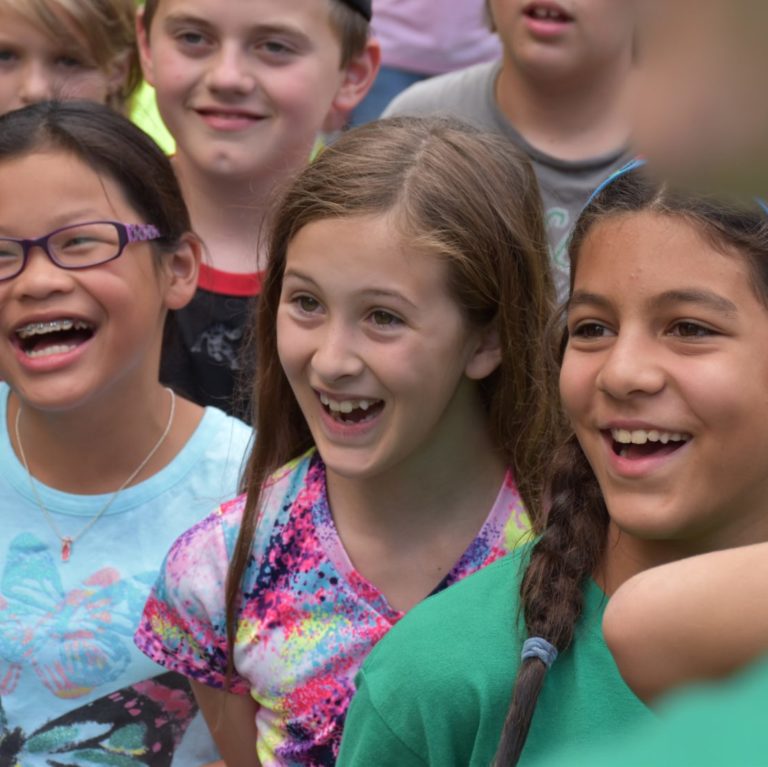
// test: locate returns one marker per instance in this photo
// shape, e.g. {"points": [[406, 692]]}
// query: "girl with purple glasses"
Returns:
{"points": [[102, 466]]}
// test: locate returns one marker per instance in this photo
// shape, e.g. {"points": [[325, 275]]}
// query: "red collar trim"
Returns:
{"points": [[229, 283]]}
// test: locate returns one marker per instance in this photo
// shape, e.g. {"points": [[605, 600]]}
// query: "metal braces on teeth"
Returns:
{"points": [[51, 326]]}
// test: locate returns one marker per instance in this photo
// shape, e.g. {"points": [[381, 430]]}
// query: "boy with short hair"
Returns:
{"points": [[244, 87], [557, 92]]}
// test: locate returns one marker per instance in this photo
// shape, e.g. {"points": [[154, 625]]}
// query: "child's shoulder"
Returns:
{"points": [[457, 650], [451, 93], [461, 615], [207, 546], [217, 428], [292, 480], [219, 526]]}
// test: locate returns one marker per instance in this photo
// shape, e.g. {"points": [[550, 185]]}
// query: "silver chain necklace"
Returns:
{"points": [[68, 541]]}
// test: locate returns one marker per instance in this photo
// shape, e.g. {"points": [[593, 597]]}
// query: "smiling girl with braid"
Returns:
{"points": [[663, 379]]}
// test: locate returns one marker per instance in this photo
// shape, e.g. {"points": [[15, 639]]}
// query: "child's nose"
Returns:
{"points": [[37, 84], [336, 355], [41, 277], [231, 71], [633, 366]]}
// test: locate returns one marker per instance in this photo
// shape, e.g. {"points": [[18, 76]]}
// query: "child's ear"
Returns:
{"points": [[486, 356], [182, 268], [357, 78], [117, 73], [142, 41]]}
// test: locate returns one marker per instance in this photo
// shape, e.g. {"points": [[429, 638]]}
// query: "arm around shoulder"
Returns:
{"points": [[698, 618]]}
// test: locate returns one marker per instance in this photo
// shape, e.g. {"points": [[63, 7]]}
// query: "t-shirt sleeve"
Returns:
{"points": [[412, 102], [183, 626], [368, 738]]}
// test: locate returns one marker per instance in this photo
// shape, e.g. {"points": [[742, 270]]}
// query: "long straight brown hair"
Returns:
{"points": [[574, 538], [465, 197]]}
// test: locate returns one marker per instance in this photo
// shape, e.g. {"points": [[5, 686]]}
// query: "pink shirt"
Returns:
{"points": [[433, 36]]}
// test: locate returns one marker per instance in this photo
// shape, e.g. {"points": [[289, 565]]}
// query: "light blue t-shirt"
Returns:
{"points": [[73, 687]]}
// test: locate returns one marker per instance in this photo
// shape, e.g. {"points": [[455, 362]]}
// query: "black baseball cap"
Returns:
{"points": [[361, 6]]}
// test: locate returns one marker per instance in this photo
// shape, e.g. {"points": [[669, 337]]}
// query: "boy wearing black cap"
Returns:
{"points": [[244, 87]]}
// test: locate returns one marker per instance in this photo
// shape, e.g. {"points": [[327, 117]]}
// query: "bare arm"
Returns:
{"points": [[232, 722], [698, 618]]}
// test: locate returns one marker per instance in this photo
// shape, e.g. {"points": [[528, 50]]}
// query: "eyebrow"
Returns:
{"points": [[181, 18], [173, 19], [699, 296], [71, 218], [583, 298], [370, 292]]}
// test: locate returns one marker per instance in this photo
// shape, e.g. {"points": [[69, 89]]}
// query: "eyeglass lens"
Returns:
{"points": [[72, 248]]}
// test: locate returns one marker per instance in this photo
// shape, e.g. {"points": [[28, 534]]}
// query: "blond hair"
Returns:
{"points": [[106, 27]]}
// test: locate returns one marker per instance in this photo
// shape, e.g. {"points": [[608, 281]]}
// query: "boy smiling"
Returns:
{"points": [[244, 86]]}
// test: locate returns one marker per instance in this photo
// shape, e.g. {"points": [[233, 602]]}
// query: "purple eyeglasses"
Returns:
{"points": [[78, 246]]}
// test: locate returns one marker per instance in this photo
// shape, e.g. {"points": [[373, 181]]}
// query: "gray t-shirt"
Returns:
{"points": [[565, 185]]}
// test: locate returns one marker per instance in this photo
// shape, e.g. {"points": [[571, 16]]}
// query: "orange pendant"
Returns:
{"points": [[66, 548]]}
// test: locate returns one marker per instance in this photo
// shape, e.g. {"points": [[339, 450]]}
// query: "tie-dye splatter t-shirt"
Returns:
{"points": [[308, 618]]}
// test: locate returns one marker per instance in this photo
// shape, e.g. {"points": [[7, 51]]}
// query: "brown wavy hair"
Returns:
{"points": [[572, 545], [472, 200]]}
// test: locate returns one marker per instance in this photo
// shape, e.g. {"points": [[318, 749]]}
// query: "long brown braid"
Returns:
{"points": [[571, 547]]}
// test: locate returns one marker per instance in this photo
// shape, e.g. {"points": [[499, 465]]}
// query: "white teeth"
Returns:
{"points": [[347, 405], [623, 436], [49, 350], [545, 13], [50, 326], [641, 436]]}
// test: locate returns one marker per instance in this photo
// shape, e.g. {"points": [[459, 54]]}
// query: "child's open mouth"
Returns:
{"points": [[351, 411], [641, 443], [41, 339], [546, 12]]}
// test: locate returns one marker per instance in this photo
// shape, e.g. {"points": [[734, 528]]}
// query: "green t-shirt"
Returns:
{"points": [[436, 689], [144, 113], [706, 726]]}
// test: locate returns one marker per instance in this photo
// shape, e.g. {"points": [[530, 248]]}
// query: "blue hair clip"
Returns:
{"points": [[538, 647], [638, 162]]}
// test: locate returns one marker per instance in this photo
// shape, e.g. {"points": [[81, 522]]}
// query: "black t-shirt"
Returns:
{"points": [[205, 355]]}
